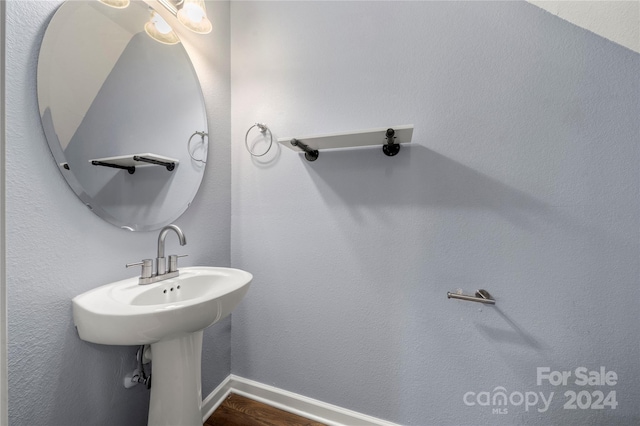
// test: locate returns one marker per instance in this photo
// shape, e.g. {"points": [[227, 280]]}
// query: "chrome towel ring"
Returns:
{"points": [[204, 155], [263, 129]]}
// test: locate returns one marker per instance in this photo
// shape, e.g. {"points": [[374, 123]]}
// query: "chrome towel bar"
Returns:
{"points": [[482, 296]]}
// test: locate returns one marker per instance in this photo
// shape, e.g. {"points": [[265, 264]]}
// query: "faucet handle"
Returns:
{"points": [[147, 267], [173, 262]]}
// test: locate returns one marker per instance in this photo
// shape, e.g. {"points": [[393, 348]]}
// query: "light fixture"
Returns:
{"points": [[193, 15], [159, 30], [118, 4]]}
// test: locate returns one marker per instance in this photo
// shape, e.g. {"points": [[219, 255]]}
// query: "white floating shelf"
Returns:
{"points": [[131, 161], [402, 134]]}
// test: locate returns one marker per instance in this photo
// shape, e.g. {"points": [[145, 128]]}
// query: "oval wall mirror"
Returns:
{"points": [[123, 114]]}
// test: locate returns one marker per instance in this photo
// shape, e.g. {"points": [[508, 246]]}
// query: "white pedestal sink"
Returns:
{"points": [[170, 316], [176, 395]]}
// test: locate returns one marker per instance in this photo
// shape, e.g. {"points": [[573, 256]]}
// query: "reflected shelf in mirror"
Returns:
{"points": [[130, 162]]}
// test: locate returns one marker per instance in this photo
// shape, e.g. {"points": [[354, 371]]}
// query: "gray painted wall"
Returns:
{"points": [[57, 249], [522, 179]]}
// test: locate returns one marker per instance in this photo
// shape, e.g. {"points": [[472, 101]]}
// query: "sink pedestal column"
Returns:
{"points": [[176, 389]]}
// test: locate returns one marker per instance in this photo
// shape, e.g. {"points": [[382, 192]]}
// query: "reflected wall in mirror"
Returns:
{"points": [[107, 89]]}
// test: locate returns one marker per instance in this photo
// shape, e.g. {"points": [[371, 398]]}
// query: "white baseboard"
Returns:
{"points": [[215, 398], [313, 409]]}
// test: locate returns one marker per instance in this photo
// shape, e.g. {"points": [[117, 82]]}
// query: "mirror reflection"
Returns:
{"points": [[123, 114]]}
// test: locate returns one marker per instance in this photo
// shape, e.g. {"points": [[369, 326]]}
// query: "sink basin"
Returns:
{"points": [[126, 313], [170, 316]]}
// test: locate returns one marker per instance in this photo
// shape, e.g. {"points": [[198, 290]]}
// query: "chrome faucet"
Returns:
{"points": [[161, 264], [161, 272]]}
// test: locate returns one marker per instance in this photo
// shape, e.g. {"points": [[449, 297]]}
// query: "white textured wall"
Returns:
{"points": [[522, 179], [57, 249], [4, 418]]}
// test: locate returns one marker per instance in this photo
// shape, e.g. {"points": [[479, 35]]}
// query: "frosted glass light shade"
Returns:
{"points": [[193, 15], [118, 4], [159, 30]]}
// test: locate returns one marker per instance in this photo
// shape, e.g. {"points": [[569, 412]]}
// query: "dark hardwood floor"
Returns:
{"points": [[237, 410]]}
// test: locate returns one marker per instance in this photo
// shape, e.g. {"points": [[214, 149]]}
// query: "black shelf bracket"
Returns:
{"points": [[309, 154], [168, 164], [390, 148], [130, 169]]}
